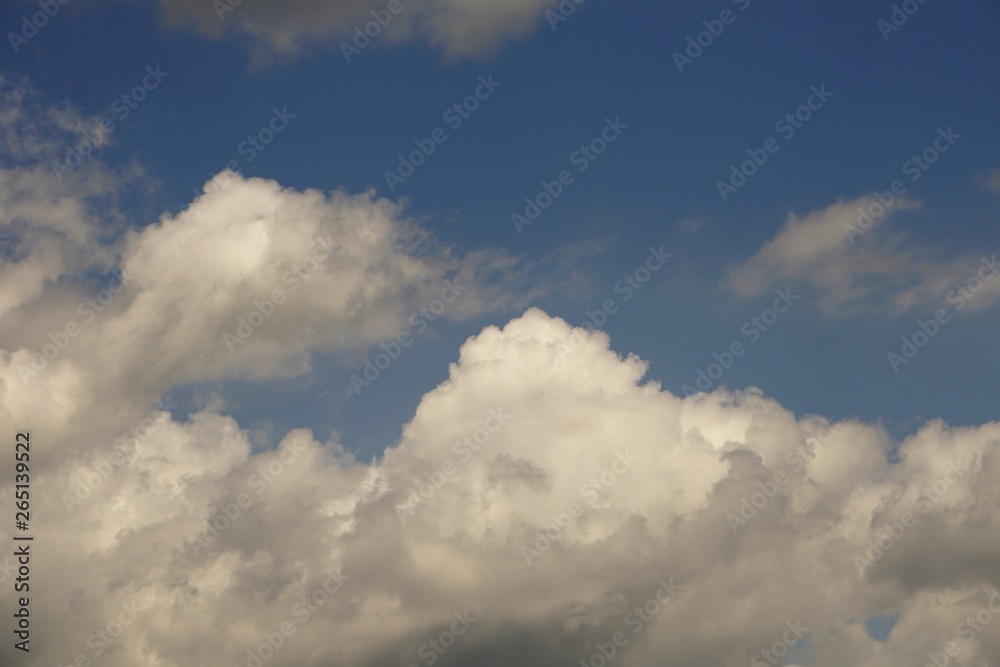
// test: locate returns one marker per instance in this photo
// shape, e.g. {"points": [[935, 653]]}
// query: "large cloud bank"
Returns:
{"points": [[541, 501]]}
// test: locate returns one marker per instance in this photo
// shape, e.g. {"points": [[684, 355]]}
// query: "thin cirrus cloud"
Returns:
{"points": [[856, 261], [285, 28]]}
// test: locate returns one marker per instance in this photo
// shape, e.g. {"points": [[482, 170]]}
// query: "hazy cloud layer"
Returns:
{"points": [[991, 181]]}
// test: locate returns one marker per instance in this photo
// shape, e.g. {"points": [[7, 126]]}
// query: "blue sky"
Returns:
{"points": [[764, 282], [685, 130]]}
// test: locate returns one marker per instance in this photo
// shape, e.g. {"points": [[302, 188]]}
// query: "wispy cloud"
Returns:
{"points": [[855, 260]]}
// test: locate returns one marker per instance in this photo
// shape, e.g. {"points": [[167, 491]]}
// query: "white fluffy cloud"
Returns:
{"points": [[542, 429], [99, 318], [51, 224], [542, 500], [248, 282], [856, 261], [286, 27]]}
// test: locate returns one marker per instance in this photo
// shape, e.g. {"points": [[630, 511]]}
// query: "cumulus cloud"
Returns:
{"points": [[52, 221], [250, 282], [856, 261], [101, 315], [286, 27], [544, 498]]}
